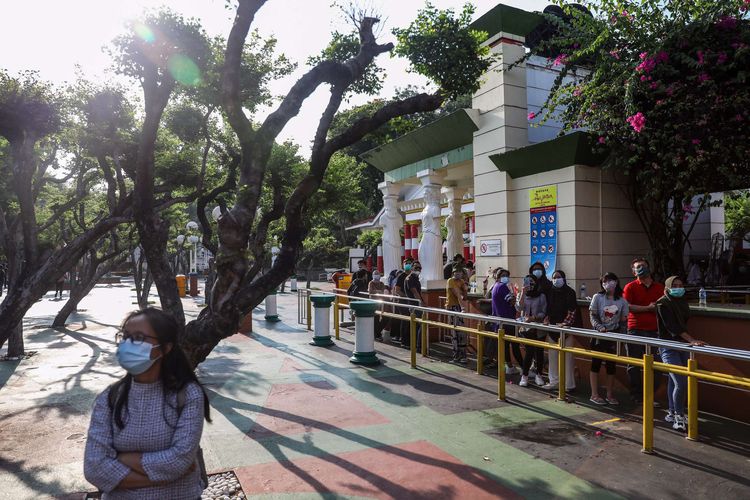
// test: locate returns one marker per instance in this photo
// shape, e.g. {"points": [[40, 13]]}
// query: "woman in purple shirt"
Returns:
{"points": [[504, 306]]}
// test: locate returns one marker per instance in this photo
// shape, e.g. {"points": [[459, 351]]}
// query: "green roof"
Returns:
{"points": [[572, 149], [444, 134], [507, 19]]}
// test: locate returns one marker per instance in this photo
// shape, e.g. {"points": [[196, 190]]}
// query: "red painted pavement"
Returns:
{"points": [[417, 470], [298, 408]]}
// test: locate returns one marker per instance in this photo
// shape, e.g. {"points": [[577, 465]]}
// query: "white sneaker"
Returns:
{"points": [[539, 380], [669, 417], [679, 423], [524, 381], [549, 386], [511, 370]]}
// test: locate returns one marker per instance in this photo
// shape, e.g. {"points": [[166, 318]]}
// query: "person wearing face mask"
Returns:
{"points": [[413, 290], [641, 294], [456, 291], [532, 306], [673, 312], [538, 271], [503, 306], [143, 440], [375, 288], [397, 325], [608, 312], [562, 311]]}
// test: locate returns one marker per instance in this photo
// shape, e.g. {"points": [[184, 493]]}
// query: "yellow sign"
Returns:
{"points": [[545, 196]]}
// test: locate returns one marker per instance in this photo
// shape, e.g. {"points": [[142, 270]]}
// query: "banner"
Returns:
{"points": [[543, 227]]}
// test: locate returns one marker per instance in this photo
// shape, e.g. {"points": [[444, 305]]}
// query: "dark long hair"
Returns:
{"points": [[609, 277], [176, 371]]}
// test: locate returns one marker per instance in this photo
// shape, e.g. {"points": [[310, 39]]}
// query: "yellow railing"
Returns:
{"points": [[647, 363]]}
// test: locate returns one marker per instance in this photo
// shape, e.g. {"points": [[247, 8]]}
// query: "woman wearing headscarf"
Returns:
{"points": [[562, 310], [672, 313], [532, 306]]}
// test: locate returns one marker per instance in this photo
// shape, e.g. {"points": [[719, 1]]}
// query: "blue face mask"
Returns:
{"points": [[504, 280], [537, 273], [407, 267], [676, 292], [558, 282], [135, 358]]}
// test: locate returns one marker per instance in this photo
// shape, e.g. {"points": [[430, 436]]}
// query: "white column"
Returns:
{"points": [[272, 313], [392, 222], [454, 222], [431, 246]]}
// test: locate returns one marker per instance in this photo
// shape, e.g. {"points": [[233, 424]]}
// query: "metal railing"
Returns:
{"points": [[647, 363]]}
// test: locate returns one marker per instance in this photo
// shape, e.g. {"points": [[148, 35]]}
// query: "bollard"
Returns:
{"points": [[272, 314], [692, 400], [501, 364], [425, 348], [293, 284], [322, 306], [648, 403], [364, 333], [336, 318], [309, 312]]}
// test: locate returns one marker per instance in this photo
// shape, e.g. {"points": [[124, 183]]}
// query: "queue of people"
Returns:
{"points": [[642, 308]]}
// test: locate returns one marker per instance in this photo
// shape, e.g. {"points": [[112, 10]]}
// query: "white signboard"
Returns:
{"points": [[491, 248]]}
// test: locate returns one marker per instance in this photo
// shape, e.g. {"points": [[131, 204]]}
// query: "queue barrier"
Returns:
{"points": [[647, 363]]}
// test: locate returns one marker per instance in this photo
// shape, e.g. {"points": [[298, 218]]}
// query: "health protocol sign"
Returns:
{"points": [[543, 227]]}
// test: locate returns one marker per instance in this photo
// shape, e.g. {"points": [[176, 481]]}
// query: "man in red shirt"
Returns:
{"points": [[641, 295]]}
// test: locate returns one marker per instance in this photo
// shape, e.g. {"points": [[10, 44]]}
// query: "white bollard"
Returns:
{"points": [[322, 331], [293, 284], [364, 333], [272, 314]]}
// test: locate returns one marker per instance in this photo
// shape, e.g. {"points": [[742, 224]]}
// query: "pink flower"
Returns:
{"points": [[701, 59], [654, 85], [670, 91], [645, 78], [577, 91], [560, 60], [637, 121], [659, 102], [722, 58], [601, 139], [703, 77], [531, 116], [696, 141], [738, 117], [643, 56], [662, 56], [615, 53], [745, 5]]}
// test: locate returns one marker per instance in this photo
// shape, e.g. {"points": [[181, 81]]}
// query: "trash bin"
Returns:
{"points": [[181, 280], [343, 284]]}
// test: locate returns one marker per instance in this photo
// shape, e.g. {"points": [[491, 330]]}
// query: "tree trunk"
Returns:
{"points": [[15, 342], [67, 309], [145, 290]]}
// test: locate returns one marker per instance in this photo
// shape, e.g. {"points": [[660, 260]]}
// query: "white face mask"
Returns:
{"points": [[416, 273], [376, 277], [558, 282], [504, 279]]}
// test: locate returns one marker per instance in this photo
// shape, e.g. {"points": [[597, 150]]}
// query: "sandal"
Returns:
{"points": [[612, 401], [598, 400]]}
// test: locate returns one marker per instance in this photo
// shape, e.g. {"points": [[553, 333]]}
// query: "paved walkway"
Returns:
{"points": [[296, 421]]}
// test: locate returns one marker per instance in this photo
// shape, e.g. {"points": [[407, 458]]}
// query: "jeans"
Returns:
{"points": [[635, 374], [677, 384]]}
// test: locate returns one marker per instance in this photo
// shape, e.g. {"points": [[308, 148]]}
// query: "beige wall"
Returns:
{"points": [[597, 230]]}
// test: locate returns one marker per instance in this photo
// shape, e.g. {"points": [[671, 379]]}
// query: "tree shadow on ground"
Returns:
{"points": [[276, 443], [347, 375]]}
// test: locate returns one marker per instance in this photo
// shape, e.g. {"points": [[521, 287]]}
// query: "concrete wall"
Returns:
{"points": [[502, 105]]}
